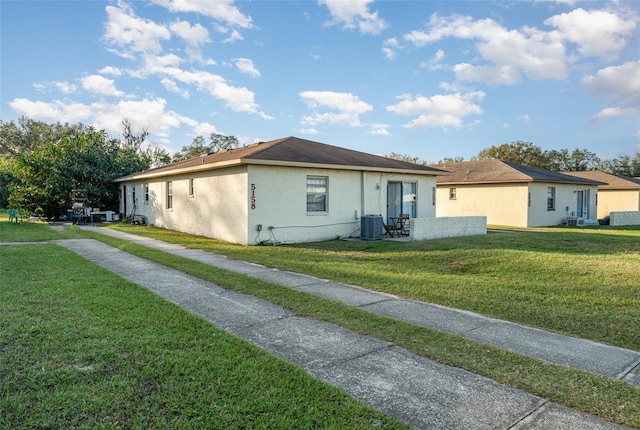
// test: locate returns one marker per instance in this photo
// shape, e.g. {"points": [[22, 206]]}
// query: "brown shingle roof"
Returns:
{"points": [[497, 172], [288, 151], [611, 182]]}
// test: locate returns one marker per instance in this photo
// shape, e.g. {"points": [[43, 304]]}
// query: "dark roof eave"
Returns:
{"points": [[157, 173]]}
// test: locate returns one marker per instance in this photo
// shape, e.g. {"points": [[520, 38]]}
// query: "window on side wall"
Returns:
{"points": [[192, 189], [551, 198], [453, 194], [169, 195], [317, 187], [146, 193]]}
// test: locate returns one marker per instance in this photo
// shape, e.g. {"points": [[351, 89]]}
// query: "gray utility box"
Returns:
{"points": [[371, 227]]}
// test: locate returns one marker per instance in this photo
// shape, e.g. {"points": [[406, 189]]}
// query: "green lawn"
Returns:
{"points": [[611, 399], [82, 348], [581, 281]]}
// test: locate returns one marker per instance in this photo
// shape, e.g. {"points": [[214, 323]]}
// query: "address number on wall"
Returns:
{"points": [[253, 196]]}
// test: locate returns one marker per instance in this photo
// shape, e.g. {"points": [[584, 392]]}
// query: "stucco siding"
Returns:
{"points": [[214, 209], [566, 203], [277, 201], [503, 204], [617, 200]]}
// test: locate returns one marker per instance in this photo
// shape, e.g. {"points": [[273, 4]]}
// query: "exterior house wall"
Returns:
{"points": [[229, 204], [501, 204], [617, 200], [212, 210], [566, 203], [437, 228], [278, 196]]}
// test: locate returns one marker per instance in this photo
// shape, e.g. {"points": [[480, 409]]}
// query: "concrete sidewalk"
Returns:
{"points": [[416, 390], [555, 348]]}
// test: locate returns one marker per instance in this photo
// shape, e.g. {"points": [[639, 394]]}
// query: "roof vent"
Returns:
{"points": [[202, 160], [229, 150]]}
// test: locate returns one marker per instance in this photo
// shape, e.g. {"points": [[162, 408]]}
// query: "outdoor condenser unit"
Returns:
{"points": [[371, 227]]}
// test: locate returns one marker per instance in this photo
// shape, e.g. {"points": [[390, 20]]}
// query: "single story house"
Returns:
{"points": [[513, 195], [286, 190], [616, 194]]}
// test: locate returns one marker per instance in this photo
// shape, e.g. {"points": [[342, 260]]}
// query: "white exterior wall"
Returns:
{"points": [[228, 204], [617, 200], [566, 203], [625, 218], [280, 197], [214, 210], [501, 204], [436, 228]]}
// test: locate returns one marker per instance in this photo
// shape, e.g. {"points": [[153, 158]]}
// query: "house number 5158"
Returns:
{"points": [[253, 196]]}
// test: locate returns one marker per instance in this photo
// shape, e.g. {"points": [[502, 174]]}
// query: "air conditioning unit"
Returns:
{"points": [[371, 227]]}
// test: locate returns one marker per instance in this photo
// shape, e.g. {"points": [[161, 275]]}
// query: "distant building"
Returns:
{"points": [[513, 195], [615, 194]]}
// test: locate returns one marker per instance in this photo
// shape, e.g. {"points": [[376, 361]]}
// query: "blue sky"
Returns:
{"points": [[430, 79]]}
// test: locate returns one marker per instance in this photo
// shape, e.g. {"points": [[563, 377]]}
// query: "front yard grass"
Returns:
{"points": [[82, 348], [610, 399], [583, 282]]}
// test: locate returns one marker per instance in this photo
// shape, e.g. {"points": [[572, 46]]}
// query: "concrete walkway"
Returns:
{"points": [[417, 390]]}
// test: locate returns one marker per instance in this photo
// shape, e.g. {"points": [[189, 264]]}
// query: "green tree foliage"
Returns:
{"points": [[407, 158], [6, 178], [523, 153], [81, 158], [198, 147]]}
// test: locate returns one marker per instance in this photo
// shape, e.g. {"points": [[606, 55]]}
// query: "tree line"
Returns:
{"points": [[41, 164], [563, 160]]}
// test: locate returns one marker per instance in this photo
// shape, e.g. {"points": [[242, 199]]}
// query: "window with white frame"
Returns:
{"points": [[169, 195], [317, 193], [551, 198], [146, 192], [191, 188], [453, 194]]}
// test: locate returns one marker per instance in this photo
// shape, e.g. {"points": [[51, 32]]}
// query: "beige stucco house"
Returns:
{"points": [[513, 195], [286, 190], [616, 194]]}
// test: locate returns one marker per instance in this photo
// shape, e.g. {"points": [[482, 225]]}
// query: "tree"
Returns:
{"points": [[576, 161], [406, 158], [198, 146], [523, 153], [79, 158], [135, 147]]}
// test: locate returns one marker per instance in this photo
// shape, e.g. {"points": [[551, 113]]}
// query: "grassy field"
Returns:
{"points": [[579, 281], [82, 348], [608, 398]]}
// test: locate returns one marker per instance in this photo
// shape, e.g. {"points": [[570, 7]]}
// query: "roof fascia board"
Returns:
{"points": [[163, 173], [343, 167]]}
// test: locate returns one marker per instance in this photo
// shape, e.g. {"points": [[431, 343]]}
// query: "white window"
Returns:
{"points": [[146, 193], [169, 195], [551, 198], [317, 187], [452, 194], [191, 188]]}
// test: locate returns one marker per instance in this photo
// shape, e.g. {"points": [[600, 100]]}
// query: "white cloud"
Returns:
{"points": [[354, 13], [308, 131], [621, 84], [98, 84], [246, 66], [528, 51], [132, 35], [439, 110], [236, 98], [434, 63], [195, 35], [389, 48], [110, 70], [597, 33], [379, 129], [171, 85], [221, 10], [346, 108], [62, 86]]}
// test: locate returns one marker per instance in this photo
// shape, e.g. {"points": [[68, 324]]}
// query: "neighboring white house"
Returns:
{"points": [[286, 190], [616, 194], [512, 195]]}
